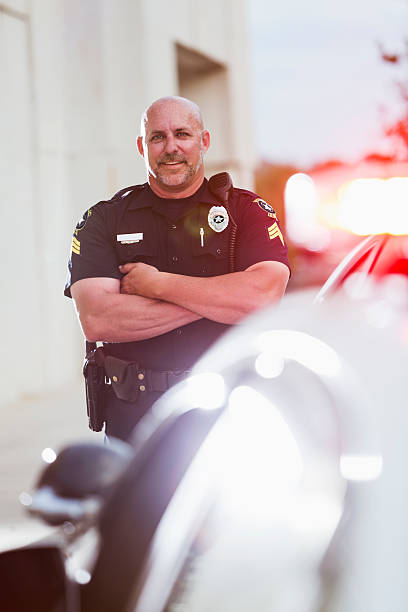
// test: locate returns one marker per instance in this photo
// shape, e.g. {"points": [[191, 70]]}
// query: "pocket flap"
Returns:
{"points": [[123, 377]]}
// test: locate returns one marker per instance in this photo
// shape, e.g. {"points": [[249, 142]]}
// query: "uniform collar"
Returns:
{"points": [[146, 198]]}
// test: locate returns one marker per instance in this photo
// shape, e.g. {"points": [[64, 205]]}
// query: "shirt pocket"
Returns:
{"points": [[144, 251], [211, 256]]}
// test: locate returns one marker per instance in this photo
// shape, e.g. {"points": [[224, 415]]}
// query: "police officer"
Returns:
{"points": [[150, 270]]}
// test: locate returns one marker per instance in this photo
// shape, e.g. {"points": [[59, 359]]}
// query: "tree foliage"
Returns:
{"points": [[398, 129]]}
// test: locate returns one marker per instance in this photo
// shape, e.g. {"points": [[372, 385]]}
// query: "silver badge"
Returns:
{"points": [[218, 218]]}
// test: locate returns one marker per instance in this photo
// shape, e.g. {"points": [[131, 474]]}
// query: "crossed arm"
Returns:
{"points": [[148, 303]]}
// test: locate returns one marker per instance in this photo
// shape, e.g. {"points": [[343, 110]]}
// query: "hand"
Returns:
{"points": [[140, 279]]}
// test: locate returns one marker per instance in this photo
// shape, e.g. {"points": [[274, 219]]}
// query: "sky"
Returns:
{"points": [[319, 88]]}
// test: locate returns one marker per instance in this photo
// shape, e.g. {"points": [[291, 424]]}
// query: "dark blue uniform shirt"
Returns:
{"points": [[173, 235]]}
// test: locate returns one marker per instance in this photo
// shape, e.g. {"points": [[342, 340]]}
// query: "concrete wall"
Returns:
{"points": [[74, 79]]}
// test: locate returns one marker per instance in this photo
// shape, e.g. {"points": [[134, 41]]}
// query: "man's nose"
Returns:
{"points": [[171, 144]]}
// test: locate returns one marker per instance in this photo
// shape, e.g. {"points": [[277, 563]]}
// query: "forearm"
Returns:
{"points": [[227, 298], [114, 317]]}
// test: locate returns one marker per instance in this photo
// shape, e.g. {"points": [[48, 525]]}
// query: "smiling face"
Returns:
{"points": [[173, 143]]}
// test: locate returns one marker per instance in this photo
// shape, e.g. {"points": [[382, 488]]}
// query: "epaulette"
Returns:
{"points": [[247, 192], [123, 193]]}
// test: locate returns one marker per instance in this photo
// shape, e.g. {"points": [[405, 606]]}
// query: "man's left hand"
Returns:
{"points": [[139, 279]]}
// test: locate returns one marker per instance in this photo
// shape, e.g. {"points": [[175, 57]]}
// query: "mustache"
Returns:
{"points": [[171, 158]]}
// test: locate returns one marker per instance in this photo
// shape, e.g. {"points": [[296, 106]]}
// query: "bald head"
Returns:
{"points": [[168, 104], [173, 142]]}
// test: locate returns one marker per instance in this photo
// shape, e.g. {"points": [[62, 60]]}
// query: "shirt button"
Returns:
{"points": [[173, 226], [175, 258], [179, 332], [219, 251]]}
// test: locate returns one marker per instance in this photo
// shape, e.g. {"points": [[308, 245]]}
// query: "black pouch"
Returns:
{"points": [[123, 378], [94, 374]]}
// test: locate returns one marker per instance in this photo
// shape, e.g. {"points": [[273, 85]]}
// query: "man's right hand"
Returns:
{"points": [[139, 279]]}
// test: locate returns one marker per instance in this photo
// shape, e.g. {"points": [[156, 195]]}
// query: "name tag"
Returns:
{"points": [[129, 238]]}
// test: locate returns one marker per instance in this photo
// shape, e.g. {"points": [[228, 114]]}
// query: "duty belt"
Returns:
{"points": [[129, 379], [160, 380]]}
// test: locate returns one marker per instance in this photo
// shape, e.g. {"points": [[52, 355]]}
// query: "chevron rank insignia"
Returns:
{"points": [[274, 232], [76, 246], [266, 207]]}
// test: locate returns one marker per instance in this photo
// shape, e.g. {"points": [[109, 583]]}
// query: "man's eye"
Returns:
{"points": [[182, 134], [156, 137]]}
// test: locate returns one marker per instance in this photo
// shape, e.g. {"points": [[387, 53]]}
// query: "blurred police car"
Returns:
{"points": [[272, 479]]}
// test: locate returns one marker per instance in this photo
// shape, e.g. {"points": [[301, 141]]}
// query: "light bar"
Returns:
{"points": [[374, 206]]}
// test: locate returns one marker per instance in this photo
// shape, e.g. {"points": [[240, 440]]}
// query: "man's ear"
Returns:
{"points": [[140, 145], [205, 139]]}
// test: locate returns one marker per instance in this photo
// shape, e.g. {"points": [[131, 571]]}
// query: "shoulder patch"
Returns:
{"points": [[266, 207], [81, 222]]}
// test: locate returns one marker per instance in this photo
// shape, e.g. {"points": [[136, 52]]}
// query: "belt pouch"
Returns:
{"points": [[123, 378]]}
